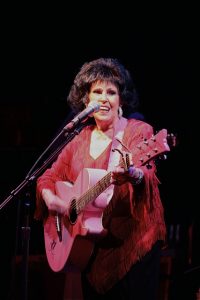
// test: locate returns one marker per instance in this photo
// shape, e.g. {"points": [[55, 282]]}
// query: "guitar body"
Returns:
{"points": [[76, 243]]}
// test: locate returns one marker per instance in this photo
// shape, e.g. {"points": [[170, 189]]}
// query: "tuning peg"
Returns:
{"points": [[153, 138], [163, 157], [172, 140], [149, 166]]}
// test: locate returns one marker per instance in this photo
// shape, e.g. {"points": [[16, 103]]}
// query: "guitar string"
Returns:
{"points": [[101, 185], [77, 205], [91, 191]]}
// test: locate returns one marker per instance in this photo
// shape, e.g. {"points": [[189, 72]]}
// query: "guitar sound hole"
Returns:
{"points": [[73, 212]]}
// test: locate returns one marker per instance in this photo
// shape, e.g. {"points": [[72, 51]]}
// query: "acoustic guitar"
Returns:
{"points": [[70, 239]]}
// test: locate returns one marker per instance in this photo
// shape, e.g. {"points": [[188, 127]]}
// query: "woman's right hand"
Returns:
{"points": [[53, 202]]}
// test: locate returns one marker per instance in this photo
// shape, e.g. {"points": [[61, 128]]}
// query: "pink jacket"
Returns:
{"points": [[134, 217]]}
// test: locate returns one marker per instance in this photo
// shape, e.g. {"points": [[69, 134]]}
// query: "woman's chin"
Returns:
{"points": [[103, 117]]}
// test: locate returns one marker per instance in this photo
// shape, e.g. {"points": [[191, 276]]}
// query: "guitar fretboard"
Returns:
{"points": [[94, 192]]}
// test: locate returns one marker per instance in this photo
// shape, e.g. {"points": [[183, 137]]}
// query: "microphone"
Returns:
{"points": [[92, 107]]}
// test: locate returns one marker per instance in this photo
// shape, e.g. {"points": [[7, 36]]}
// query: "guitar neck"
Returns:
{"points": [[93, 192], [143, 153]]}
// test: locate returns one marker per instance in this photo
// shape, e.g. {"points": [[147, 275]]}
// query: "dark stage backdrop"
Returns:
{"points": [[37, 70]]}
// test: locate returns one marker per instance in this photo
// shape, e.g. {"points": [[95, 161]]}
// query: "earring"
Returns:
{"points": [[120, 112]]}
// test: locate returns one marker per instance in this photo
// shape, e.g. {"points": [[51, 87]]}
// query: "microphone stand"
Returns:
{"points": [[33, 174]]}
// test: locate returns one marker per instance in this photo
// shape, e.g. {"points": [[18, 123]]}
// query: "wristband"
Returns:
{"points": [[135, 180]]}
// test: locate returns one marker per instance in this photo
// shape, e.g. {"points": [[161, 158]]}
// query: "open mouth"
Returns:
{"points": [[104, 109]]}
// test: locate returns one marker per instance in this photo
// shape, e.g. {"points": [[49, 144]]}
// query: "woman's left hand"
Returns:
{"points": [[120, 175]]}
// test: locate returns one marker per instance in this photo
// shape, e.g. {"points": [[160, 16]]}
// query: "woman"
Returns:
{"points": [[125, 261]]}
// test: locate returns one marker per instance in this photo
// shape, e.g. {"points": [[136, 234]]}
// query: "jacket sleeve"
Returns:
{"points": [[58, 171], [146, 194]]}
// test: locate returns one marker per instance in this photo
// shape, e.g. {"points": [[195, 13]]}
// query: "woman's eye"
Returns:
{"points": [[111, 92], [97, 92]]}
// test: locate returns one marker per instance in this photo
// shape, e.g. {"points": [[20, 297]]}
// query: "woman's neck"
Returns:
{"points": [[109, 132], [106, 128]]}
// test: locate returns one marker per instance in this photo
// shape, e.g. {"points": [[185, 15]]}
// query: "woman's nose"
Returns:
{"points": [[104, 97]]}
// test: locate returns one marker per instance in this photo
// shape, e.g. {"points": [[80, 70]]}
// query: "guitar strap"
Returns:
{"points": [[118, 135], [114, 158]]}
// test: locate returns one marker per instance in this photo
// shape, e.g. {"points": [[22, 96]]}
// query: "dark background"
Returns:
{"points": [[40, 55]]}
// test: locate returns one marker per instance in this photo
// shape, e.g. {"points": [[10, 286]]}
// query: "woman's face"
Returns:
{"points": [[107, 95]]}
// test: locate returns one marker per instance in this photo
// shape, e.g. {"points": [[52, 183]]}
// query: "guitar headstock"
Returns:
{"points": [[154, 147]]}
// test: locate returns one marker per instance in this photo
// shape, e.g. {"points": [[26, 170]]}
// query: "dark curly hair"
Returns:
{"points": [[103, 69]]}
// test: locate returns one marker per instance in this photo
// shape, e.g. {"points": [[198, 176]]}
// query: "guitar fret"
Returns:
{"points": [[94, 192]]}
